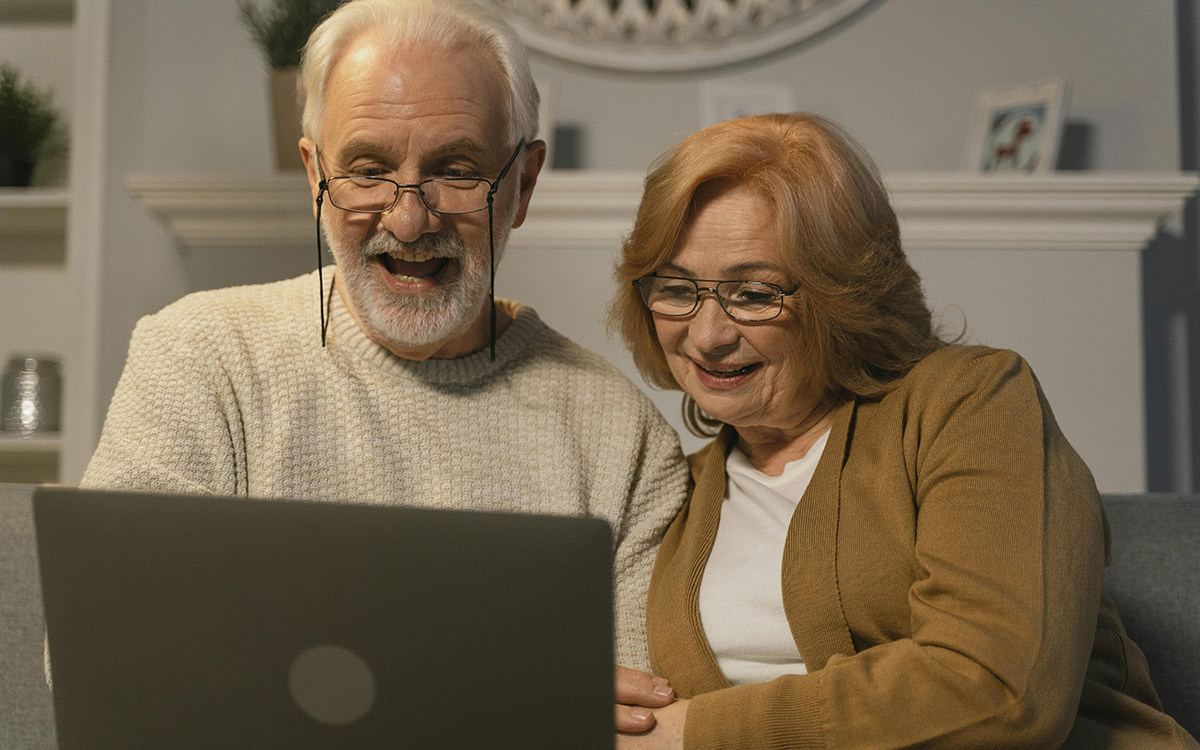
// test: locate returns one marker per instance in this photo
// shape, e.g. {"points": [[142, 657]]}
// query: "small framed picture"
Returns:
{"points": [[721, 100], [1018, 128]]}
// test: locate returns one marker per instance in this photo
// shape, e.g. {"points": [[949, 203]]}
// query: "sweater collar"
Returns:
{"points": [[526, 327]]}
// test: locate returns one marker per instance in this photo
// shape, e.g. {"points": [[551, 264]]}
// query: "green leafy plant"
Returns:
{"points": [[27, 117], [281, 30]]}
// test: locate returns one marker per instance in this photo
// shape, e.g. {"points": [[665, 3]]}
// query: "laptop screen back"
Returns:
{"points": [[206, 622]]}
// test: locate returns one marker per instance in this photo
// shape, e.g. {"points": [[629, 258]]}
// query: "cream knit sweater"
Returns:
{"points": [[229, 392]]}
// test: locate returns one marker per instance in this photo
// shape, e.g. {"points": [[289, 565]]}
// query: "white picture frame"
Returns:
{"points": [[721, 101], [1018, 129]]}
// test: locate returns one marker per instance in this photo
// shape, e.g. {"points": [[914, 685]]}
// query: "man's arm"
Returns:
{"points": [[657, 491], [173, 424]]}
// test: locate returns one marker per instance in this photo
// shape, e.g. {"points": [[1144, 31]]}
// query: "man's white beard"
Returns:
{"points": [[402, 321]]}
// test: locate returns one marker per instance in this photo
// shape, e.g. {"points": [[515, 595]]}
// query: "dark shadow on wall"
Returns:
{"points": [[1171, 305], [1171, 317]]}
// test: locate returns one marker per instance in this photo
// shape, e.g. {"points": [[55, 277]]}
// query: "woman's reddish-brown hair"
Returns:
{"points": [[860, 311]]}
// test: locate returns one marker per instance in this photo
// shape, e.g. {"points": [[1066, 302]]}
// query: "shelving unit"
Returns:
{"points": [[33, 231], [50, 235]]}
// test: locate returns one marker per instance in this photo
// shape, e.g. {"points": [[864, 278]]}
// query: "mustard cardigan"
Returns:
{"points": [[941, 577]]}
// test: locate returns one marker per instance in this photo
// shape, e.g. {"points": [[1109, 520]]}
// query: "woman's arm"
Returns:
{"points": [[988, 644]]}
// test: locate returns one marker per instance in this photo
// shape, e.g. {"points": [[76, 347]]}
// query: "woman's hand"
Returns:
{"points": [[637, 692], [667, 733]]}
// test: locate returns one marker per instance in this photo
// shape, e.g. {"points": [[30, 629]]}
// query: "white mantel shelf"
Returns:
{"points": [[589, 209]]}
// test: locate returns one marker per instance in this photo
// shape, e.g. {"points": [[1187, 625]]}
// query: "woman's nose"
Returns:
{"points": [[410, 218], [711, 330]]}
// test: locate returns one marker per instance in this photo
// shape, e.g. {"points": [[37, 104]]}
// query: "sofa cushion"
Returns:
{"points": [[26, 706]]}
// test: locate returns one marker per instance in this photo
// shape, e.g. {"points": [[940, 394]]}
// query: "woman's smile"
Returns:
{"points": [[724, 377]]}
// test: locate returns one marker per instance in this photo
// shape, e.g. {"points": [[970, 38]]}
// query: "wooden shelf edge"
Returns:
{"points": [[42, 443], [37, 11], [33, 224]]}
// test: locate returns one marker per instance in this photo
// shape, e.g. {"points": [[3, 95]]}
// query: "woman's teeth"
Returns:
{"points": [[730, 373]]}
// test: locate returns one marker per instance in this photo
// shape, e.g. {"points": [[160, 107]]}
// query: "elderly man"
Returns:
{"points": [[407, 383]]}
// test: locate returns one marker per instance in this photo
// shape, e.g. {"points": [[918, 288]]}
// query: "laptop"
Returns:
{"points": [[179, 621]]}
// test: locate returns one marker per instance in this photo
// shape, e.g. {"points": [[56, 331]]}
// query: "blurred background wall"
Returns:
{"points": [[186, 91]]}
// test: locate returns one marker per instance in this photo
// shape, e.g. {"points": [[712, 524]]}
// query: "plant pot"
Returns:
{"points": [[285, 118], [16, 170]]}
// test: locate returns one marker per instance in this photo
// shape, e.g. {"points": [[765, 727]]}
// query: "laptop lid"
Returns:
{"points": [[211, 622]]}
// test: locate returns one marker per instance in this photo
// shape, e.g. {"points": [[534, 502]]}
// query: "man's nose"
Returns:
{"points": [[410, 218]]}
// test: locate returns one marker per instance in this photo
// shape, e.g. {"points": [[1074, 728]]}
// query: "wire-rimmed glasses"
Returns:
{"points": [[442, 195], [745, 301]]}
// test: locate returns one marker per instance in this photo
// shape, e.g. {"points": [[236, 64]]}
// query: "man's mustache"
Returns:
{"points": [[438, 247]]}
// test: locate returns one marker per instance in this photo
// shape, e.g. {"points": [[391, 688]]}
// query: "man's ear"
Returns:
{"points": [[308, 153], [535, 157]]}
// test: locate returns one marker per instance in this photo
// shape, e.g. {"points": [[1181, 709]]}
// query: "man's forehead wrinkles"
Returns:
{"points": [[412, 111], [465, 146]]}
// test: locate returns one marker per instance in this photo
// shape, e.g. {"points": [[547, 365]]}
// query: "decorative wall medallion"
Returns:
{"points": [[670, 35]]}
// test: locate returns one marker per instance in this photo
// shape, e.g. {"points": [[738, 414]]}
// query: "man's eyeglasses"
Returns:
{"points": [[443, 195], [747, 301]]}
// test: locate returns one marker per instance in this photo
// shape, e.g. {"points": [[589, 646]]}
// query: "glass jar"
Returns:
{"points": [[30, 395]]}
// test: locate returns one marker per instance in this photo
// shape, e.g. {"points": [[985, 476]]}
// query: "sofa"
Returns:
{"points": [[1154, 578], [26, 708]]}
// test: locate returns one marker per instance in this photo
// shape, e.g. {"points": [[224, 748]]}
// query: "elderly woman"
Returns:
{"points": [[889, 543]]}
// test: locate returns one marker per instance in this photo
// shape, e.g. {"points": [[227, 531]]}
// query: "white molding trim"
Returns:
{"points": [[592, 210], [1059, 211], [83, 401]]}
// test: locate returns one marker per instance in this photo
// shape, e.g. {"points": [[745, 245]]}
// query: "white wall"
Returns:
{"points": [[188, 92], [903, 77]]}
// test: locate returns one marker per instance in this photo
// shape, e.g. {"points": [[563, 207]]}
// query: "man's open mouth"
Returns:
{"points": [[412, 266]]}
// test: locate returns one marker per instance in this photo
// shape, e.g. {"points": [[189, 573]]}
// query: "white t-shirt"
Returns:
{"points": [[741, 593]]}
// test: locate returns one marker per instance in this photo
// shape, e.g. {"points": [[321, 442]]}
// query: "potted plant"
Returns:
{"points": [[280, 32], [27, 120]]}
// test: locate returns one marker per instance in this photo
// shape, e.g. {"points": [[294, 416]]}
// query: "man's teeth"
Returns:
{"points": [[412, 257]]}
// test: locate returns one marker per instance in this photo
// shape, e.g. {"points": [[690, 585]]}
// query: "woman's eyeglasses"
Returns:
{"points": [[746, 301]]}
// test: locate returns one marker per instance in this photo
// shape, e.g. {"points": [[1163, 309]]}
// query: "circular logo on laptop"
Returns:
{"points": [[332, 684]]}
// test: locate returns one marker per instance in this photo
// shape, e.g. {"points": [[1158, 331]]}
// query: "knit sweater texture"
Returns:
{"points": [[229, 392], [941, 578]]}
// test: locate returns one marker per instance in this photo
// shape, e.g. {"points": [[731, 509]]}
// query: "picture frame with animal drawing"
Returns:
{"points": [[1018, 128]]}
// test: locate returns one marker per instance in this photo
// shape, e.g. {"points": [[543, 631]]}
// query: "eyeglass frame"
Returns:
{"points": [[701, 290], [493, 187]]}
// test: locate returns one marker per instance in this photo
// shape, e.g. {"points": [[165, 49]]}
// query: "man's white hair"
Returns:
{"points": [[442, 23]]}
